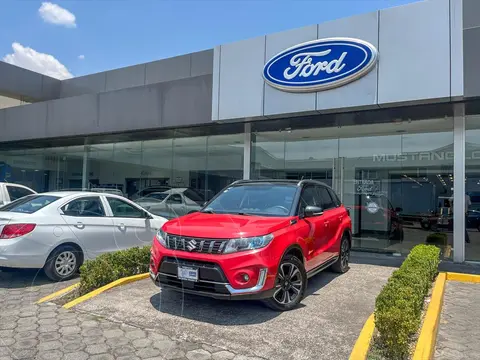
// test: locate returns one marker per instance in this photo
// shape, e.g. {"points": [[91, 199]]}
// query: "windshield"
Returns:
{"points": [[29, 204], [257, 199], [154, 196]]}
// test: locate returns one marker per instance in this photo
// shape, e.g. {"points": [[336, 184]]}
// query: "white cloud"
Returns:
{"points": [[30, 59], [55, 14], [81, 57]]}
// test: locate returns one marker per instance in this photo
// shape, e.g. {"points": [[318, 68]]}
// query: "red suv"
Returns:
{"points": [[256, 239]]}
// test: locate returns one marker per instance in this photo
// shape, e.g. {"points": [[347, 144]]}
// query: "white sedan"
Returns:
{"points": [[57, 231]]}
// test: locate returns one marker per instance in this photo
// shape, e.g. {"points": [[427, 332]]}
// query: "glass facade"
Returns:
{"points": [[472, 187], [395, 177], [394, 172], [203, 164]]}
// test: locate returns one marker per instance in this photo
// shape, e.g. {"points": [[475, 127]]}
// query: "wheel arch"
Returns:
{"points": [[296, 251], [68, 243], [348, 233]]}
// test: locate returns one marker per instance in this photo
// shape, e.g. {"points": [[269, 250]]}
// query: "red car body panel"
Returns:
{"points": [[318, 238]]}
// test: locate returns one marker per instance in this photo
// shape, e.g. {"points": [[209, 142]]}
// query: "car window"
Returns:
{"points": [[335, 197], [193, 195], [255, 199], [156, 195], [89, 206], [29, 204], [17, 192], [309, 197], [121, 208], [175, 199], [326, 200]]}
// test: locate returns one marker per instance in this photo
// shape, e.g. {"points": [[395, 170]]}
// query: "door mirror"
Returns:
{"points": [[313, 211], [398, 209]]}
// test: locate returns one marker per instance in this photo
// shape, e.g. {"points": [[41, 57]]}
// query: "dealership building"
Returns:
{"points": [[381, 106]]}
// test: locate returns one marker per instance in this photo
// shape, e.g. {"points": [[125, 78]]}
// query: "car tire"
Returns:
{"points": [[290, 285], [342, 264], [63, 263], [425, 224]]}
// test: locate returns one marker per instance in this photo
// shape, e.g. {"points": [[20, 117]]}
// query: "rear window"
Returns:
{"points": [[29, 204]]}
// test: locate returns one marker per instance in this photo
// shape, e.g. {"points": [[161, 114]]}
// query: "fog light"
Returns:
{"points": [[245, 277]]}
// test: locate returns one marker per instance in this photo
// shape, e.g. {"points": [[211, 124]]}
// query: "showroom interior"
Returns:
{"points": [[401, 137]]}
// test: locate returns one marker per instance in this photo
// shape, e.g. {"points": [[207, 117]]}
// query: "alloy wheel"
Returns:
{"points": [[289, 284], [65, 263], [345, 254]]}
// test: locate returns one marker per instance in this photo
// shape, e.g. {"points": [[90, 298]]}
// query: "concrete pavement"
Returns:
{"points": [[459, 332], [325, 326]]}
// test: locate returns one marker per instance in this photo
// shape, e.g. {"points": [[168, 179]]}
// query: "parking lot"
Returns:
{"points": [[325, 326]]}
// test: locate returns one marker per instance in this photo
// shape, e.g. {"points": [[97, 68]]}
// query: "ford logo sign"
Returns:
{"points": [[320, 64]]}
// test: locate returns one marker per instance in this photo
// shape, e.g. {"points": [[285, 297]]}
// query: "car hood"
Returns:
{"points": [[224, 226]]}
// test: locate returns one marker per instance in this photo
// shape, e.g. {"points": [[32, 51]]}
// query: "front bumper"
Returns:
{"points": [[218, 275], [221, 291]]}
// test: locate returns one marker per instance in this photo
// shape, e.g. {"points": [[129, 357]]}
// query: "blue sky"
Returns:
{"points": [[112, 34]]}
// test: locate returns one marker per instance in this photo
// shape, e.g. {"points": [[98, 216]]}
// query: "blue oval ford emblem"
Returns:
{"points": [[320, 64]]}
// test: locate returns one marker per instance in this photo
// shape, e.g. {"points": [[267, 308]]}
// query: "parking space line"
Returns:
{"points": [[362, 345], [427, 340], [58, 293], [463, 277], [98, 291]]}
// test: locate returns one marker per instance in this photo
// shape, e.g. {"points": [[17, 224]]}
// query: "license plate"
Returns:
{"points": [[187, 273]]}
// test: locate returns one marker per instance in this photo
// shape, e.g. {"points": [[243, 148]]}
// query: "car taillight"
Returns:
{"points": [[11, 231]]}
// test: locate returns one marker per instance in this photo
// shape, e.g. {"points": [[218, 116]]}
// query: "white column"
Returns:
{"points": [[247, 151], [85, 167], [459, 183]]}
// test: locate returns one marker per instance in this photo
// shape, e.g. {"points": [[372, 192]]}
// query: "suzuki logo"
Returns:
{"points": [[191, 245]]}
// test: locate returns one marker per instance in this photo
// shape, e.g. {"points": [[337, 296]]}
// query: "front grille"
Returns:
{"points": [[190, 244]]}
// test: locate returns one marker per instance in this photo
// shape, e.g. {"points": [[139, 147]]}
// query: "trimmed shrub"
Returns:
{"points": [[112, 266], [437, 239], [398, 307]]}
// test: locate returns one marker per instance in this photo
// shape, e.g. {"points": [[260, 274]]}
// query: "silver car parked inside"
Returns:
{"points": [[57, 231]]}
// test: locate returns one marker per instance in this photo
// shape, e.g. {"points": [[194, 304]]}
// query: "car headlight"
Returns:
{"points": [[161, 237], [249, 243]]}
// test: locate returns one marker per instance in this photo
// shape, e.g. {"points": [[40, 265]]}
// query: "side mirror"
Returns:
{"points": [[398, 209], [313, 211]]}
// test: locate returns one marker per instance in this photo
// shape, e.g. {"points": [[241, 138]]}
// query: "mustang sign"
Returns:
{"points": [[320, 64]]}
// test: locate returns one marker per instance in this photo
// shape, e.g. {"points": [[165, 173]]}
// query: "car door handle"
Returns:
{"points": [[327, 223], [79, 225], [122, 227]]}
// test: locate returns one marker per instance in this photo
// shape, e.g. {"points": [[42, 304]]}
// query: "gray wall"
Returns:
{"points": [[420, 60], [176, 68], [167, 104], [22, 83], [471, 47]]}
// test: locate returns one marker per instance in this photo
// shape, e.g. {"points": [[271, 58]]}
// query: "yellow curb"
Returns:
{"points": [[58, 293], [98, 291], [425, 347], [463, 277], [360, 350]]}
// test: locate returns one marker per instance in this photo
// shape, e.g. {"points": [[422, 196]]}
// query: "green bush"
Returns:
{"points": [[437, 239], [398, 307], [109, 267]]}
